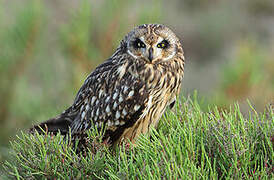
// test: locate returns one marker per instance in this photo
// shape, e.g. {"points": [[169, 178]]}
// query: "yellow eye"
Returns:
{"points": [[138, 44], [163, 44]]}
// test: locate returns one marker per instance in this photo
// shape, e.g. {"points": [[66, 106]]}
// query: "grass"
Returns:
{"points": [[188, 144]]}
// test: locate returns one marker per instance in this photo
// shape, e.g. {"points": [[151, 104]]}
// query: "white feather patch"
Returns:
{"points": [[130, 53], [137, 107], [83, 115], [97, 112], [130, 93], [115, 95], [149, 104], [121, 98], [124, 112], [93, 99], [115, 105], [107, 109], [87, 107], [107, 99], [122, 70], [170, 56], [117, 123], [125, 89], [101, 93], [117, 115]]}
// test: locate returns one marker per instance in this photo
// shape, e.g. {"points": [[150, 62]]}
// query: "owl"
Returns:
{"points": [[128, 93]]}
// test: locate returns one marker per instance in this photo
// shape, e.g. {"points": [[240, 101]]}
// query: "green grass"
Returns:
{"points": [[188, 144]]}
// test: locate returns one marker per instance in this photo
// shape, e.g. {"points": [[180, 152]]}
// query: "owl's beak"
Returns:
{"points": [[150, 54]]}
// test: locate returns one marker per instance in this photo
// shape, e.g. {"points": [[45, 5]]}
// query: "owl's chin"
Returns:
{"points": [[154, 61], [147, 61], [157, 61]]}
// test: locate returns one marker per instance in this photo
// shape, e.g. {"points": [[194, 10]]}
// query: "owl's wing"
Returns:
{"points": [[110, 96]]}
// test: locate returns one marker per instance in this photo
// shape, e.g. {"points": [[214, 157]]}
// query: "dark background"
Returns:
{"points": [[47, 48]]}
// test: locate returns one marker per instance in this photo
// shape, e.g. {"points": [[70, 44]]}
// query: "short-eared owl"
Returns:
{"points": [[129, 92]]}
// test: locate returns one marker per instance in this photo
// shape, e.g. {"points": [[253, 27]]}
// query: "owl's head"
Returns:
{"points": [[153, 43]]}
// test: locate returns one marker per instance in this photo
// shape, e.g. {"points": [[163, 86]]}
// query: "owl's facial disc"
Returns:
{"points": [[151, 49], [163, 49]]}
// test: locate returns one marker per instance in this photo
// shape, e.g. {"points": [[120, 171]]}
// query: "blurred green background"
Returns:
{"points": [[47, 48]]}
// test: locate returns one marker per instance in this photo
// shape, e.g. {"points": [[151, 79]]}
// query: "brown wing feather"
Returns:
{"points": [[111, 97]]}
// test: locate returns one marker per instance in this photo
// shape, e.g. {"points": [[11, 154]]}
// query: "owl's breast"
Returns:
{"points": [[160, 81]]}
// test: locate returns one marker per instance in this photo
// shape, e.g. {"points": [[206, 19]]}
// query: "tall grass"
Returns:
{"points": [[189, 144]]}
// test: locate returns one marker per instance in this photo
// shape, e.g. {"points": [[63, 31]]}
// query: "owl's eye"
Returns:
{"points": [[138, 44], [164, 44]]}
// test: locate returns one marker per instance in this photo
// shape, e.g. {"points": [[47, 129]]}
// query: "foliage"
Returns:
{"points": [[189, 143]]}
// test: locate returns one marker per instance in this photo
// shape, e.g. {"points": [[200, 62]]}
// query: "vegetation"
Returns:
{"points": [[188, 144], [47, 48]]}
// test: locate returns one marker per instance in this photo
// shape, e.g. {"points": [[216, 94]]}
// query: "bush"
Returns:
{"points": [[189, 143]]}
